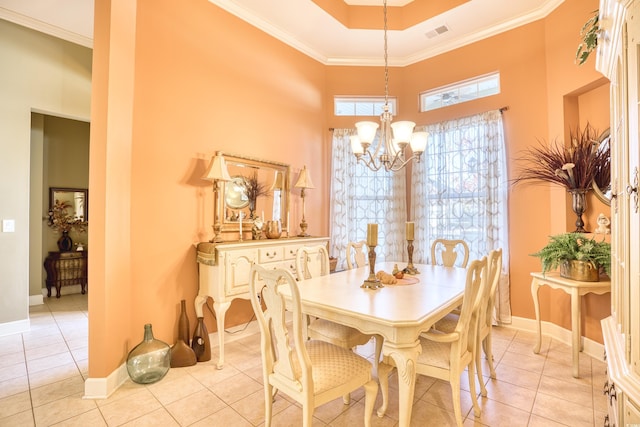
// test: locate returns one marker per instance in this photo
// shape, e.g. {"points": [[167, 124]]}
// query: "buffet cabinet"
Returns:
{"points": [[618, 59], [224, 271], [64, 269]]}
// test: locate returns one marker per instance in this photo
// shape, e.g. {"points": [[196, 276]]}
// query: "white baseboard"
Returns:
{"points": [[591, 348], [15, 327], [102, 388], [36, 300]]}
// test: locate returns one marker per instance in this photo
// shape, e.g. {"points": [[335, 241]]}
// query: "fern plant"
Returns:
{"points": [[574, 246]]}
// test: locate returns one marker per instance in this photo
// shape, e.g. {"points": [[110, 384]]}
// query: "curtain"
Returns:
{"points": [[459, 191], [361, 196]]}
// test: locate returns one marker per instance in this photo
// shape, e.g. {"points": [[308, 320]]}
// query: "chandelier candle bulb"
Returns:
{"points": [[410, 230], [372, 234]]}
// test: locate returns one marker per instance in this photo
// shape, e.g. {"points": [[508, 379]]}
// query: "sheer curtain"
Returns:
{"points": [[361, 196], [459, 191]]}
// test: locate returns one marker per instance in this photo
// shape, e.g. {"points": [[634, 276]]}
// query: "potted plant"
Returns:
{"points": [[63, 221], [578, 256]]}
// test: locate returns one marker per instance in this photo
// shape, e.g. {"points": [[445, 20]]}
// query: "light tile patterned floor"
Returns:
{"points": [[42, 374]]}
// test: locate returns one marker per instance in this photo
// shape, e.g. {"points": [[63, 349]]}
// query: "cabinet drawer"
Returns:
{"points": [[270, 254], [290, 251], [287, 265]]}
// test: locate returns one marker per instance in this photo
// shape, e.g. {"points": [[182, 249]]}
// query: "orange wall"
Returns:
{"points": [[173, 83]]}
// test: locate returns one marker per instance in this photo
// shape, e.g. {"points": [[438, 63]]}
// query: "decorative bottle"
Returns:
{"points": [[150, 360], [183, 323], [200, 342]]}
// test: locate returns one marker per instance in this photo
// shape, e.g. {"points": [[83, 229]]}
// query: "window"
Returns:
{"points": [[467, 90], [361, 196], [361, 105]]}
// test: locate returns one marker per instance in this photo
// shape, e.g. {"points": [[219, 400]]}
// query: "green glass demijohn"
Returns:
{"points": [[150, 360]]}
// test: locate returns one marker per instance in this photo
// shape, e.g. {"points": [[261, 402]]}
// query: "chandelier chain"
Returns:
{"points": [[386, 60]]}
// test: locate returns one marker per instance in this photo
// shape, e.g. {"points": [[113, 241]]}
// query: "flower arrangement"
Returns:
{"points": [[574, 167], [255, 189], [61, 220]]}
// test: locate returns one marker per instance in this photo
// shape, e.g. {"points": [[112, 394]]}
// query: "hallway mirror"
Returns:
{"points": [[75, 197], [602, 180]]}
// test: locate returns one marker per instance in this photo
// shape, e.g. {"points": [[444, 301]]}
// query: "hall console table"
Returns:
{"points": [[576, 289], [224, 271], [64, 269]]}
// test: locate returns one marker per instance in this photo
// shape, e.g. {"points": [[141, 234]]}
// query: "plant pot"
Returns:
{"points": [[584, 271]]}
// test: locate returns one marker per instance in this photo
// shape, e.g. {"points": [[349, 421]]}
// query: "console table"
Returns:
{"points": [[576, 289], [66, 268], [224, 271]]}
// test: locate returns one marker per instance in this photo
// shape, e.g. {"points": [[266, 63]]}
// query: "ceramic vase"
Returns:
{"points": [[200, 342], [149, 361], [183, 323], [65, 244]]}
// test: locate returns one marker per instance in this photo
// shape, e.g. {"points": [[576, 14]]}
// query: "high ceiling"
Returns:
{"points": [[320, 28]]}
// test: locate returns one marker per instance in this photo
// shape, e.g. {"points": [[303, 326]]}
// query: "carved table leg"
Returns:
{"points": [[535, 287], [221, 310], [405, 360]]}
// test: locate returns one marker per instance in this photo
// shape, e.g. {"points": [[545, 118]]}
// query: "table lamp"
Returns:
{"points": [[216, 172], [304, 182]]}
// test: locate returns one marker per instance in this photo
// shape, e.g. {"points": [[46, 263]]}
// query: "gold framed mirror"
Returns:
{"points": [[258, 189], [602, 180], [74, 197]]}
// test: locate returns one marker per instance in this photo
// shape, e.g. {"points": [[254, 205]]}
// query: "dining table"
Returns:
{"points": [[398, 312]]}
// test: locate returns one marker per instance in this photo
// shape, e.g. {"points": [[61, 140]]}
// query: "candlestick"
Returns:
{"points": [[409, 228], [288, 226], [240, 219], [372, 235], [410, 269], [372, 281]]}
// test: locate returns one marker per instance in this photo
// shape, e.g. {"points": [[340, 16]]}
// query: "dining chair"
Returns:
{"points": [[357, 254], [313, 261], [311, 372], [446, 355], [449, 252], [485, 321]]}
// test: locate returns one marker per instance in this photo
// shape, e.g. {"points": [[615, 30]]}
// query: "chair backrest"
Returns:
{"points": [[285, 361], [312, 261], [494, 265], [470, 310], [357, 254], [449, 253]]}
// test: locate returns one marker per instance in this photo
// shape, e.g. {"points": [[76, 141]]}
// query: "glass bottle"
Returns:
{"points": [[150, 360]]}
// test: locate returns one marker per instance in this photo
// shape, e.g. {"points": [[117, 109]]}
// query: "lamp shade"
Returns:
{"points": [[402, 131], [278, 183], [217, 170], [367, 131], [304, 179], [356, 145], [419, 141]]}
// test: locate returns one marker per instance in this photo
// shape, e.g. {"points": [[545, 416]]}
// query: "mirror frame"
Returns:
{"points": [[251, 164], [85, 192], [603, 194]]}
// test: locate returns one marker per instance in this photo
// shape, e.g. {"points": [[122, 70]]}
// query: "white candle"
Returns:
{"points": [[240, 215], [288, 223], [262, 215]]}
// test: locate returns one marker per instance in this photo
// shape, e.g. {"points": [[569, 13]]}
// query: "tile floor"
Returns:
{"points": [[42, 373]]}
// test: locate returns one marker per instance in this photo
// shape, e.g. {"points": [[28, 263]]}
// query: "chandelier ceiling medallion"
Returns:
{"points": [[389, 152]]}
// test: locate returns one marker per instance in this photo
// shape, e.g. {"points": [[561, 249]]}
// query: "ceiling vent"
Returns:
{"points": [[438, 31]]}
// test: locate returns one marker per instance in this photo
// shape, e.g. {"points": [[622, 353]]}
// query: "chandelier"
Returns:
{"points": [[389, 153]]}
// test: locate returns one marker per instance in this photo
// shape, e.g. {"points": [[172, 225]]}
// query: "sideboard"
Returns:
{"points": [[224, 271], [66, 268]]}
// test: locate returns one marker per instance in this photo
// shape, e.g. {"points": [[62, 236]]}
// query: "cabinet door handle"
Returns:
{"points": [[606, 421], [605, 389], [612, 394]]}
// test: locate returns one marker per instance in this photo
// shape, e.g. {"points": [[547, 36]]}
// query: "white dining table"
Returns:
{"points": [[397, 312]]}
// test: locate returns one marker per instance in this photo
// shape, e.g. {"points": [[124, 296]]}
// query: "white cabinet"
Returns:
{"points": [[224, 271], [618, 59]]}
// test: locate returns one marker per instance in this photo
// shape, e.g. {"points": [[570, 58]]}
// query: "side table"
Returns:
{"points": [[576, 289], [66, 268]]}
